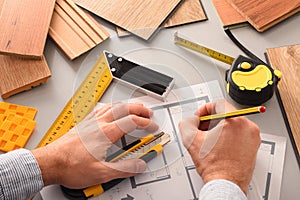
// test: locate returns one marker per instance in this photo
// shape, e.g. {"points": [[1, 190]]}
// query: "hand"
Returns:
{"points": [[222, 150], [77, 159]]}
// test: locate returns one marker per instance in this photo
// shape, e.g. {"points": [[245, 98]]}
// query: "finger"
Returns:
{"points": [[211, 138], [121, 110], [221, 106], [206, 109], [126, 168], [224, 106], [128, 124], [217, 107], [188, 129], [101, 108]]}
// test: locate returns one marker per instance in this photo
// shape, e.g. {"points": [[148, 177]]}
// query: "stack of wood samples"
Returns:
{"points": [[190, 11], [24, 26], [74, 30], [228, 15], [287, 60], [139, 17], [263, 14]]}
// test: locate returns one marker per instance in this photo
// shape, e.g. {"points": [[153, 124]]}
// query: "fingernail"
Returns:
{"points": [[140, 166]]}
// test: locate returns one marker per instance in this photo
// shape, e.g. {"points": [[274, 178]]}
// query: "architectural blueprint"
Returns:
{"points": [[172, 174]]}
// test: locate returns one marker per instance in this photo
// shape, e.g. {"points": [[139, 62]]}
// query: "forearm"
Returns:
{"points": [[221, 189], [20, 175]]}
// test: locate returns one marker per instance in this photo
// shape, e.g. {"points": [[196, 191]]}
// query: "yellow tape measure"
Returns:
{"points": [[82, 102], [249, 81], [203, 50]]}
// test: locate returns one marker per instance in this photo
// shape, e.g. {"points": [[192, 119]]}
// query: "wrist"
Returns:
{"points": [[227, 171], [49, 163], [223, 176]]}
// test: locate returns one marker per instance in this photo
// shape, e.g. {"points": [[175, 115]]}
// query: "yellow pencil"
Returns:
{"points": [[236, 113]]}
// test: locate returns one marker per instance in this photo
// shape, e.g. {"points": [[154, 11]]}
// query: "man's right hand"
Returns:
{"points": [[222, 150]]}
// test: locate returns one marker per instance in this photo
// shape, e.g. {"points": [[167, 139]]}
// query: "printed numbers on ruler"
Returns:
{"points": [[82, 102]]}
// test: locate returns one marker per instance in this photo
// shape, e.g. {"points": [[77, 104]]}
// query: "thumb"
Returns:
{"points": [[127, 168]]}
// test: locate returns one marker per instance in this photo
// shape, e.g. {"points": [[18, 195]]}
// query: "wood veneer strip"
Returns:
{"points": [[21, 74], [190, 11], [139, 17], [263, 14], [287, 60], [24, 26], [74, 30], [227, 14]]}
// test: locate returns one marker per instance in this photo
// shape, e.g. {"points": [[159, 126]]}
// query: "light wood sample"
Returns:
{"points": [[263, 14], [74, 30], [139, 17], [24, 26], [20, 74], [227, 14], [287, 60], [190, 11]]}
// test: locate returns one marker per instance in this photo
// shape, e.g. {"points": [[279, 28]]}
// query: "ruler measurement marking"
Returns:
{"points": [[81, 103], [203, 50]]}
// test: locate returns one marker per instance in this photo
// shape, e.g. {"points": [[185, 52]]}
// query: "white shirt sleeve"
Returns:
{"points": [[20, 175], [221, 190]]}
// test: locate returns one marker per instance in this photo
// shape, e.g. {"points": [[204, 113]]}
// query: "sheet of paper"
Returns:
{"points": [[174, 169]]}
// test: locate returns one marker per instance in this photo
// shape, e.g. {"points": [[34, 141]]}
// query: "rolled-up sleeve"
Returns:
{"points": [[221, 190], [20, 175]]}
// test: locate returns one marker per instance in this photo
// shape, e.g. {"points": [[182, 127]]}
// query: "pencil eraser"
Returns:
{"points": [[262, 109]]}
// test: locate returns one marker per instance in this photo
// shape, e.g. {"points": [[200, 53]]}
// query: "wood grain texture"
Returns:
{"points": [[190, 11], [139, 17], [227, 14], [74, 30], [263, 14], [24, 26], [287, 60], [20, 74]]}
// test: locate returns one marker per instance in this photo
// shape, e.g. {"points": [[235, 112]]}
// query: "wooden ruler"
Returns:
{"points": [[82, 102]]}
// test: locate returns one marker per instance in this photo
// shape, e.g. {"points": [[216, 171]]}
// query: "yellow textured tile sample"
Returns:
{"points": [[15, 131], [28, 112]]}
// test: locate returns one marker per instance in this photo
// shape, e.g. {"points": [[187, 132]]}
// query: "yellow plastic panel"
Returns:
{"points": [[25, 111], [256, 79], [15, 131]]}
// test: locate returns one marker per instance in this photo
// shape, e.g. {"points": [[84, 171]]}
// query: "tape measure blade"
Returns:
{"points": [[82, 102], [202, 49]]}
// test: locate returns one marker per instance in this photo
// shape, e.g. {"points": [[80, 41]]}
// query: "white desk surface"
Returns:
{"points": [[50, 98]]}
